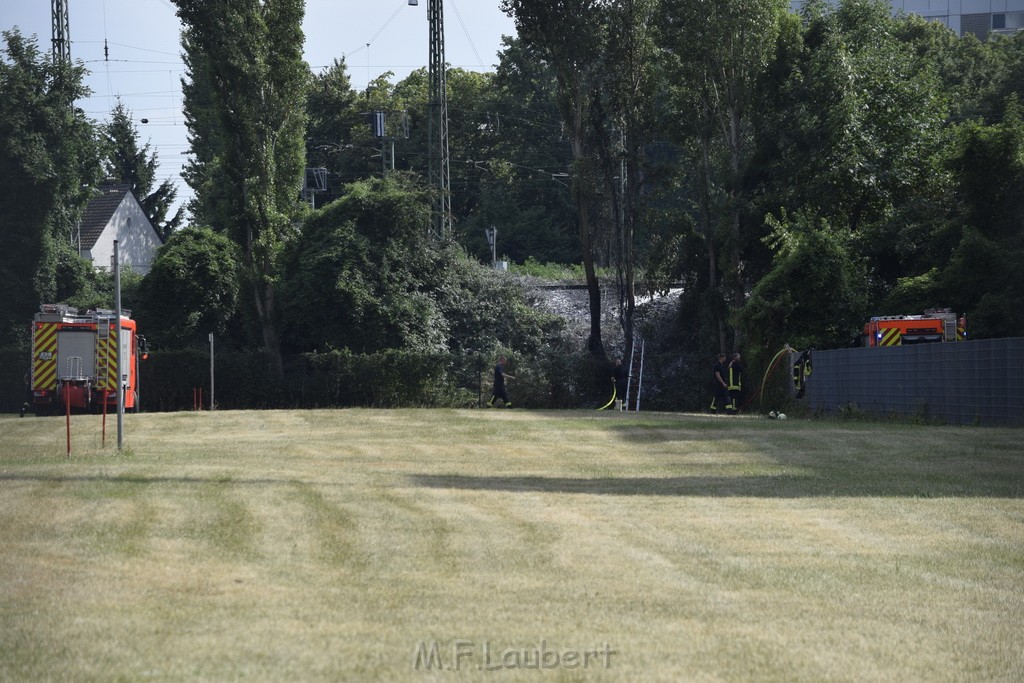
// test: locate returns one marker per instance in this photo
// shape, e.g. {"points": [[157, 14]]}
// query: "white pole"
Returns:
{"points": [[640, 383], [117, 340], [212, 404], [492, 239]]}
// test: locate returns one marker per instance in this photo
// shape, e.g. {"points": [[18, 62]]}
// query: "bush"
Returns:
{"points": [[191, 290]]}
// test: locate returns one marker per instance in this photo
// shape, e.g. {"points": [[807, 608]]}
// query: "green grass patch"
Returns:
{"points": [[369, 545], [572, 273]]}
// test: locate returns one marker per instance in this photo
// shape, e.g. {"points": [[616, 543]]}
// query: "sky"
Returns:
{"points": [[143, 65]]}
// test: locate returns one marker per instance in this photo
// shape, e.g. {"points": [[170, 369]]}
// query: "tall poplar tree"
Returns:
{"points": [[631, 58], [571, 35], [250, 53], [717, 52]]}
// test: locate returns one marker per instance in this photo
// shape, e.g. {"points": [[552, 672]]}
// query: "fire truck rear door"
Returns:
{"points": [[76, 349]]}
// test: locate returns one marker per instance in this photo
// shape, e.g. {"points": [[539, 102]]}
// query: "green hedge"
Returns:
{"points": [[14, 363], [242, 380], [389, 379]]}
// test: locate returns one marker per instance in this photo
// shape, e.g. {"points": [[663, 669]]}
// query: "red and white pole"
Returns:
{"points": [[67, 412], [104, 401]]}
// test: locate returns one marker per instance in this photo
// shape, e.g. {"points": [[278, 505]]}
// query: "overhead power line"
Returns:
{"points": [[130, 47], [386, 23], [466, 31], [366, 44], [168, 6], [133, 61]]}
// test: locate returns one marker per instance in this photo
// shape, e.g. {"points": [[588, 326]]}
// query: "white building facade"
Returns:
{"points": [[979, 17], [117, 215]]}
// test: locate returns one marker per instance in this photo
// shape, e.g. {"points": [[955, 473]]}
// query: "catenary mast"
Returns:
{"points": [[61, 32], [437, 128]]}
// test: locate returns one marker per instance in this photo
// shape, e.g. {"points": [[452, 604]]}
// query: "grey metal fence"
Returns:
{"points": [[973, 382]]}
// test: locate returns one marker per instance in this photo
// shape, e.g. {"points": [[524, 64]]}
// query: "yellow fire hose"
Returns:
{"points": [[611, 401], [771, 366]]}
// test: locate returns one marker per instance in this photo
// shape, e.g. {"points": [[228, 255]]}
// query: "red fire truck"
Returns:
{"points": [[74, 357], [936, 325]]}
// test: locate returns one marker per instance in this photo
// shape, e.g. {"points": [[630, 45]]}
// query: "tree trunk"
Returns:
{"points": [[738, 294], [263, 298], [595, 345], [712, 252], [265, 311], [629, 217]]}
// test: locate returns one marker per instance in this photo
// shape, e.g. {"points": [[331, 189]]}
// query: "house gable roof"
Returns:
{"points": [[100, 210]]}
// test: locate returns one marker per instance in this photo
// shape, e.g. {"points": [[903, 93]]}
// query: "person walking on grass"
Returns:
{"points": [[719, 376], [499, 390]]}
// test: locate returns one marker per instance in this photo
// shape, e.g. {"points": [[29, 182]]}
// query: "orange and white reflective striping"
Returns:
{"points": [[890, 336], [44, 357], [106, 354]]}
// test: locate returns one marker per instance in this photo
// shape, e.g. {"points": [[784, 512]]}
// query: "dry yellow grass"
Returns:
{"points": [[337, 545]]}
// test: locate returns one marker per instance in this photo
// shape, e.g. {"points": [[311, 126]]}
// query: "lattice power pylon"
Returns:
{"points": [[61, 31], [437, 128]]}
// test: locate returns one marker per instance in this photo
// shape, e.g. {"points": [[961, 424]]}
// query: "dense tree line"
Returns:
{"points": [[797, 173], [48, 150], [51, 159], [764, 154]]}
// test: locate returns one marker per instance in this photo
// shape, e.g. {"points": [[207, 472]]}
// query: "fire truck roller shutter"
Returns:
{"points": [[72, 343]]}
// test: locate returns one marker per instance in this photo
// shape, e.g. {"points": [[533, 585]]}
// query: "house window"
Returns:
{"points": [[998, 21]]}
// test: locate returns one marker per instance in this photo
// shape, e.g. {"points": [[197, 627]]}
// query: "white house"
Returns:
{"points": [[115, 213]]}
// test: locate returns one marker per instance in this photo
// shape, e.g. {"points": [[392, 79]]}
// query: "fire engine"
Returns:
{"points": [[74, 357], [936, 325]]}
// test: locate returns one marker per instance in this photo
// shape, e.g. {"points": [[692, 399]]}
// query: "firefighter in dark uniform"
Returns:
{"points": [[719, 375], [801, 371], [621, 377], [735, 373]]}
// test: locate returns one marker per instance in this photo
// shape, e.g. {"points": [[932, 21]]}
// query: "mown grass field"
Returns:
{"points": [[345, 544]]}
